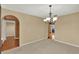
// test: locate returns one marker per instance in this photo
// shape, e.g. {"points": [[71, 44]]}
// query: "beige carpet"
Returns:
{"points": [[44, 47]]}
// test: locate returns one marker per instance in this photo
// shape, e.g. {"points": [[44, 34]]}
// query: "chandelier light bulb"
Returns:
{"points": [[55, 19], [45, 20], [48, 18]]}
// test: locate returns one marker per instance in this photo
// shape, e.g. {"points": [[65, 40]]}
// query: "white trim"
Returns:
{"points": [[24, 45], [32, 42], [67, 43]]}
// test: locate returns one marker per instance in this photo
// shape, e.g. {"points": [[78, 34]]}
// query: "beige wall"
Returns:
{"points": [[67, 28], [31, 28]]}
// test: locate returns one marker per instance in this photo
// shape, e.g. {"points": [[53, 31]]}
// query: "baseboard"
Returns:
{"points": [[32, 42], [24, 45], [74, 45]]}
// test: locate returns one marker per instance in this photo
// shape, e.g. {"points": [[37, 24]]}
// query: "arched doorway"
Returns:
{"points": [[10, 36]]}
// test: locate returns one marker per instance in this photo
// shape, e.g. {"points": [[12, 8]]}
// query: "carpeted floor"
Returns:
{"points": [[44, 47]]}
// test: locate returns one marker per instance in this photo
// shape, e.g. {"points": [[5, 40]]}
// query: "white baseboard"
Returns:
{"points": [[74, 45], [33, 42]]}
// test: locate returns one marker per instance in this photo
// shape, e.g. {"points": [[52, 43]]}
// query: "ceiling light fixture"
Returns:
{"points": [[51, 19]]}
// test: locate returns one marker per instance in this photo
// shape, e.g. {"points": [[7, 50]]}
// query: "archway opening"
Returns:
{"points": [[10, 32]]}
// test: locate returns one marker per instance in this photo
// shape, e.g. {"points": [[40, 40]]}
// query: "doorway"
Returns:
{"points": [[10, 32], [51, 31]]}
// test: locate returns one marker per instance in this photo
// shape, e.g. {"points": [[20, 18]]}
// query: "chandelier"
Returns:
{"points": [[51, 19]]}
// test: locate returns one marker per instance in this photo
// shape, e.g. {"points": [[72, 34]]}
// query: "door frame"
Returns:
{"points": [[13, 18], [17, 25]]}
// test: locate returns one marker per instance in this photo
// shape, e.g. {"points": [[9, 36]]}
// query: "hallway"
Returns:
{"points": [[44, 47]]}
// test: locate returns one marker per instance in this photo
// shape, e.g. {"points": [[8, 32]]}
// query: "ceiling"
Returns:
{"points": [[42, 10]]}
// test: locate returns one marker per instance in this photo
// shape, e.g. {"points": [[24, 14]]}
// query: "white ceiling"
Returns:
{"points": [[42, 10]]}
